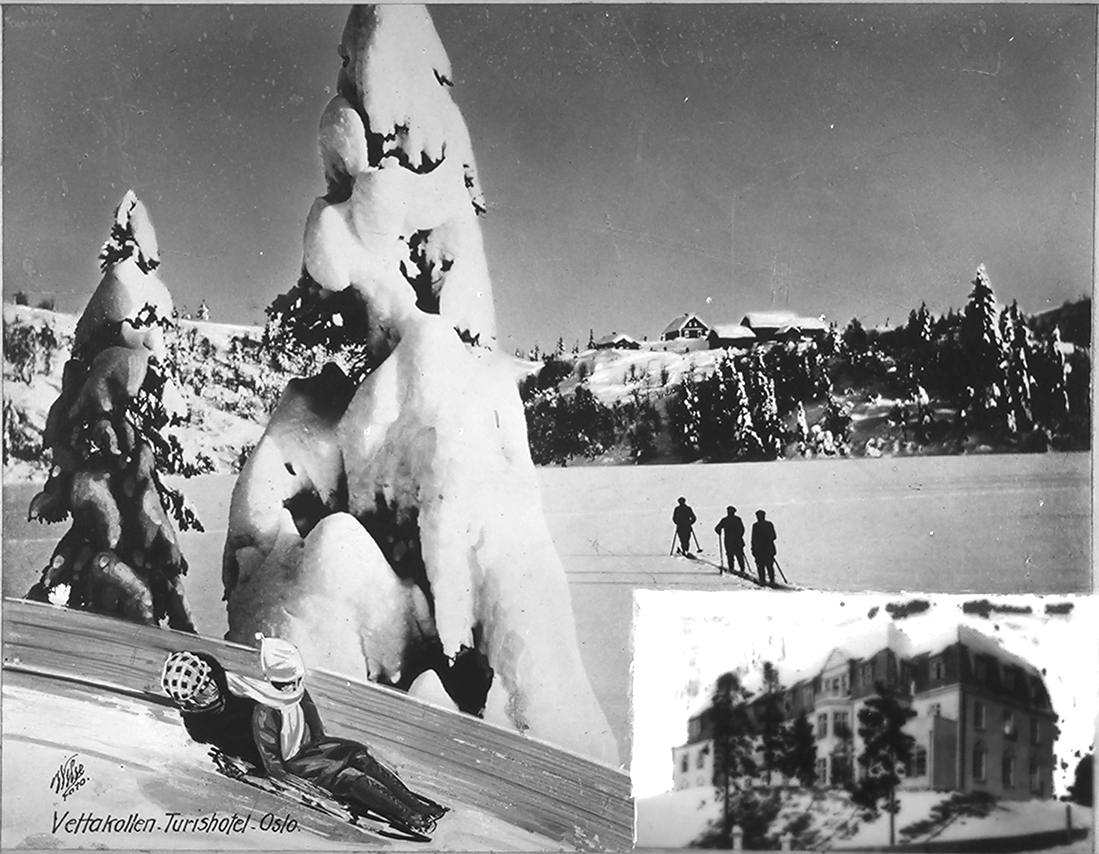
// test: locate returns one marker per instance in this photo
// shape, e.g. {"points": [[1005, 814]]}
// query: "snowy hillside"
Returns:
{"points": [[229, 379], [827, 820]]}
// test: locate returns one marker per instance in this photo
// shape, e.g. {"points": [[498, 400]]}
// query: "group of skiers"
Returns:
{"points": [[273, 725], [731, 530]]}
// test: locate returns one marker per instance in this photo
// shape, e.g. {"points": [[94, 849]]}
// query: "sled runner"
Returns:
{"points": [[308, 795]]}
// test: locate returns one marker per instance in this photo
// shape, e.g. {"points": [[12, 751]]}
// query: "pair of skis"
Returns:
{"points": [[721, 561]]}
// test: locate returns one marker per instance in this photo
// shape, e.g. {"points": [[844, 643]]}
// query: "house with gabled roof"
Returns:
{"points": [[730, 336], [984, 721], [784, 326], [617, 341], [688, 326]]}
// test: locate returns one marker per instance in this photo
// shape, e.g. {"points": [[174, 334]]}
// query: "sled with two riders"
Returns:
{"points": [[309, 795]]}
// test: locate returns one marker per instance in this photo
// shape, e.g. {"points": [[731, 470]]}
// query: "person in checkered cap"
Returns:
{"points": [[212, 713], [292, 742]]}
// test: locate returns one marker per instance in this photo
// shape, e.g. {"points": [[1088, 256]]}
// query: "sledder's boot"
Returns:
{"points": [[431, 809]]}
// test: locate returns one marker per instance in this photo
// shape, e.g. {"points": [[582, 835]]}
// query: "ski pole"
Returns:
{"points": [[693, 534], [780, 572], [721, 555], [671, 551]]}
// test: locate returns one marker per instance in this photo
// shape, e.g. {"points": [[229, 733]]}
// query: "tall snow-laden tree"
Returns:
{"points": [[686, 420], [1018, 380], [733, 738], [110, 436], [887, 748], [389, 521], [982, 346], [761, 395]]}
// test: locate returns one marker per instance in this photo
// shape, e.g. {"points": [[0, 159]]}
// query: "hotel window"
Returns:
{"points": [[918, 766], [836, 687], [1008, 771], [822, 726], [694, 729], [1009, 724], [935, 710], [1035, 778], [839, 723], [981, 669], [684, 763], [978, 715], [844, 687], [980, 755], [867, 676], [701, 761], [822, 771], [937, 670], [1035, 731]]}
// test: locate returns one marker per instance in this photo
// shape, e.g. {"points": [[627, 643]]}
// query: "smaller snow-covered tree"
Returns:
{"points": [[686, 418]]}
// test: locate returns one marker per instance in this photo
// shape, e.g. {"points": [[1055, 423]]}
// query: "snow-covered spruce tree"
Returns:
{"points": [[761, 396], [390, 524], [983, 349], [108, 437], [1018, 381], [686, 417]]}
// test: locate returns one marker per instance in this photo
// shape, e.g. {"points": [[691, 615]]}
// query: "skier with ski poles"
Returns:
{"points": [[683, 517], [763, 548], [733, 528]]}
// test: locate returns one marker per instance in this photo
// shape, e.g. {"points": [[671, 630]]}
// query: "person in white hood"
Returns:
{"points": [[291, 740]]}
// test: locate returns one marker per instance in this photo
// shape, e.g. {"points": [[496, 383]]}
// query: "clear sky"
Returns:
{"points": [[639, 160], [684, 640]]}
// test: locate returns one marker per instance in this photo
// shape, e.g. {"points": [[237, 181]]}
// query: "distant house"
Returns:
{"points": [[617, 341], [731, 335], [784, 326], [685, 326]]}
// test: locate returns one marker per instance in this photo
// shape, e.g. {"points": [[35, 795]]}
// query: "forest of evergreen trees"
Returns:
{"points": [[986, 376]]}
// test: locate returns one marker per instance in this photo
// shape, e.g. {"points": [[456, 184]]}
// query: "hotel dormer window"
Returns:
{"points": [[937, 668]]}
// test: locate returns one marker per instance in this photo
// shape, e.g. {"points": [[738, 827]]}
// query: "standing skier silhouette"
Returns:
{"points": [[763, 548], [733, 528], [684, 518]]}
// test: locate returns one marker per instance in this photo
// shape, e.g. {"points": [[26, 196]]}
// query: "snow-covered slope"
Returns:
{"points": [[675, 819], [228, 386]]}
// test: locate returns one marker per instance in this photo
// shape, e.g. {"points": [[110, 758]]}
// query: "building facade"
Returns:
{"points": [[983, 721]]}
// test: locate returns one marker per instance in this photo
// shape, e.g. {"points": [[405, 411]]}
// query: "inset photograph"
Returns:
{"points": [[837, 722]]}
